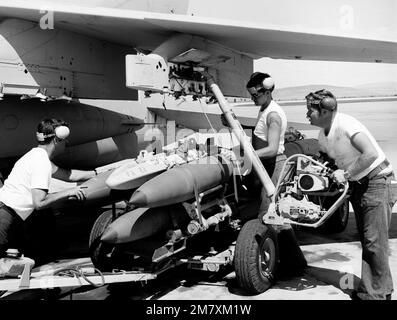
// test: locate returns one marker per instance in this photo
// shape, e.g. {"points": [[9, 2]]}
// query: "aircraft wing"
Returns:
{"points": [[146, 30]]}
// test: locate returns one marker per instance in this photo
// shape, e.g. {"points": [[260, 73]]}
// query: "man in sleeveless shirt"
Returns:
{"points": [[268, 141], [268, 135], [269, 131], [362, 162]]}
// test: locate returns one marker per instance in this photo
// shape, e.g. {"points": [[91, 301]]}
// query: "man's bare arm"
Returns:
{"points": [[361, 142], [273, 136], [43, 200], [71, 175]]}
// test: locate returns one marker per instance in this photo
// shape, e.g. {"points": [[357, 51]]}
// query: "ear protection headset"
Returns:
{"points": [[323, 99], [267, 83], [61, 132]]}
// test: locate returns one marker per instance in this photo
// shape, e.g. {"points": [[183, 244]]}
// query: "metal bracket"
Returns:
{"points": [[169, 250], [271, 216]]}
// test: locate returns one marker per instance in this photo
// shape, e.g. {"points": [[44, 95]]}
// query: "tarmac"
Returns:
{"points": [[333, 271], [334, 267]]}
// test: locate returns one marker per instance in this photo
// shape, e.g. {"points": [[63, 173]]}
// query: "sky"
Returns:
{"points": [[368, 18]]}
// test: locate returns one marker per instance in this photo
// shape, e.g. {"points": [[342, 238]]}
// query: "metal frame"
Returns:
{"points": [[273, 218]]}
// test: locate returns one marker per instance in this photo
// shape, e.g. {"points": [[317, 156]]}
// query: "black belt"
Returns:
{"points": [[375, 172]]}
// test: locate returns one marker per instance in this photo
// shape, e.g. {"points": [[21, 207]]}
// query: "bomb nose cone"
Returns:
{"points": [[139, 199], [109, 235]]}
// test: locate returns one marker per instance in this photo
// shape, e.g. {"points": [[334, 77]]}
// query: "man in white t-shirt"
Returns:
{"points": [[26, 188], [361, 161]]}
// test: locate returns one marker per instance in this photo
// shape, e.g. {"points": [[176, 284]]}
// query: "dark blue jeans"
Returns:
{"points": [[11, 230], [292, 260], [372, 201], [273, 168]]}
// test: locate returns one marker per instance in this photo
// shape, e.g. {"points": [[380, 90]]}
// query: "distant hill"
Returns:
{"points": [[382, 88], [368, 90]]}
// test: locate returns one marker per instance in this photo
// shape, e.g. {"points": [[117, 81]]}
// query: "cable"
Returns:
{"points": [[78, 272], [231, 141], [219, 144], [209, 122], [96, 271], [213, 130]]}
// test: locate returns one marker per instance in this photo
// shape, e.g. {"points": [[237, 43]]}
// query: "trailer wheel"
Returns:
{"points": [[100, 251], [339, 219], [256, 257]]}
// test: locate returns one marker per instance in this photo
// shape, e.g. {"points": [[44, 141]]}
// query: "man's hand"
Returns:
{"points": [[77, 193], [339, 176], [43, 200]]}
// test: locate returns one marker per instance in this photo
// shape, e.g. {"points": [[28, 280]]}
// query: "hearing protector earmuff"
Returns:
{"points": [[324, 101], [268, 83], [256, 84], [61, 132]]}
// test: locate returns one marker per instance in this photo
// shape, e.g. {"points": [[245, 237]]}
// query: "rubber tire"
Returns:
{"points": [[247, 259], [338, 221], [99, 250]]}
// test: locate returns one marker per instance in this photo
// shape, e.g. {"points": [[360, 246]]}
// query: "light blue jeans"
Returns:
{"points": [[372, 201]]}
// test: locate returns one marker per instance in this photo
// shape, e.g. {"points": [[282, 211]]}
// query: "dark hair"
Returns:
{"points": [[322, 99], [47, 128], [256, 80], [325, 93]]}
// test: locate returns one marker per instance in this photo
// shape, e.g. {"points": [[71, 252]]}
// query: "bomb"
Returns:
{"points": [[180, 184], [142, 223]]}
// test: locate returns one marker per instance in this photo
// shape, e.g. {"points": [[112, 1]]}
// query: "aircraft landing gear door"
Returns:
{"points": [[256, 256]]}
